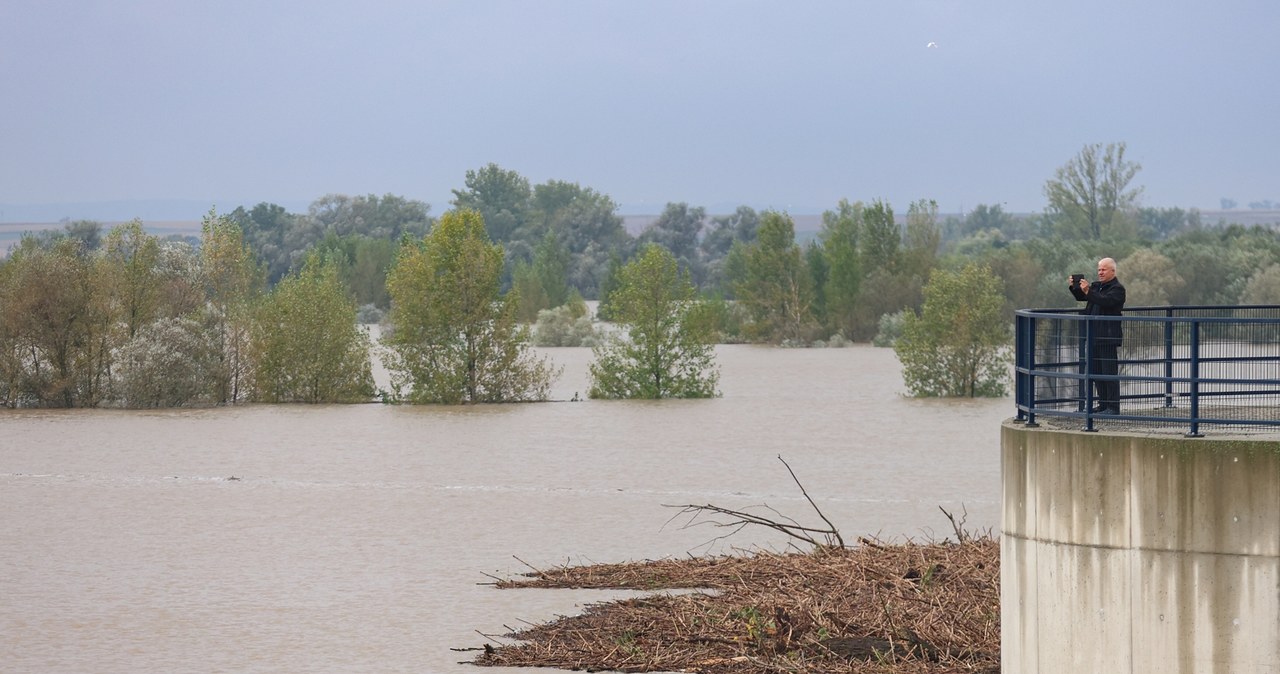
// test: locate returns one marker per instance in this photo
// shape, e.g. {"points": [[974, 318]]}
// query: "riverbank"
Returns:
{"points": [[906, 608]]}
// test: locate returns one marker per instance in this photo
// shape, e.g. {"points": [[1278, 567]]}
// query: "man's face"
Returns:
{"points": [[1106, 272]]}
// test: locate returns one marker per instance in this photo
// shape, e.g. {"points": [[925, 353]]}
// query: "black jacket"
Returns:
{"points": [[1103, 299]]}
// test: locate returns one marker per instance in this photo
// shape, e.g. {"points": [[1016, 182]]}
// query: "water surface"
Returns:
{"points": [[357, 538]]}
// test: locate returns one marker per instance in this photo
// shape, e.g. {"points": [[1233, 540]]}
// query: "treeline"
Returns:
{"points": [[86, 318], [141, 322]]}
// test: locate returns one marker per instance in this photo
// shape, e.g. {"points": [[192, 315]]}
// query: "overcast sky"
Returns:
{"points": [[788, 104]]}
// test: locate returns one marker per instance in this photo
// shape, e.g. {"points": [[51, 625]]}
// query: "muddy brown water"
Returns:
{"points": [[357, 538]]}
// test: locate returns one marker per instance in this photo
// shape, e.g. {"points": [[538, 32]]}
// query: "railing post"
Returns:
{"points": [[1087, 382], [1029, 360], [1168, 357], [1019, 366], [1195, 380]]}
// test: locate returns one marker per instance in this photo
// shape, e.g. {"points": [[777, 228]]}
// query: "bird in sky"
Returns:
{"points": [[932, 45]]}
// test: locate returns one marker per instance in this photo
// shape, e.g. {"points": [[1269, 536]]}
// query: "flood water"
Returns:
{"points": [[358, 538]]}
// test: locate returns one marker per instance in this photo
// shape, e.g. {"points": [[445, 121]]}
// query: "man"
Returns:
{"points": [[1104, 297]]}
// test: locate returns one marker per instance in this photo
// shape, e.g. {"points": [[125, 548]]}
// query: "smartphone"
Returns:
{"points": [[1076, 279]]}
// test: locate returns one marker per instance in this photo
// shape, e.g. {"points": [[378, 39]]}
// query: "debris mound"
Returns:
{"points": [[906, 608]]}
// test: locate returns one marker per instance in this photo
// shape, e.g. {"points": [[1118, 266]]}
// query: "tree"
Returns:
{"points": [[233, 281], [922, 238], [56, 328], [500, 196], [772, 283], [958, 345], [454, 337], [273, 233], [604, 310], [306, 343], [668, 352], [131, 262], [528, 288], [586, 225], [880, 240], [725, 230], [1263, 287], [169, 362], [676, 229], [1162, 223], [1150, 279], [983, 218], [839, 237], [1091, 191], [550, 266]]}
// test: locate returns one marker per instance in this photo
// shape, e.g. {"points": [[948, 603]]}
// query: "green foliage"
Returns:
{"points": [[772, 283], [560, 327], [362, 263], [1150, 279], [923, 236], [1159, 224], [725, 319], [586, 227], [1218, 263], [724, 231], [533, 299], [131, 265], [454, 336], [170, 362], [233, 280], [816, 264], [500, 196], [306, 343], [958, 345], [1263, 287], [367, 225], [891, 327], [880, 239], [668, 352], [840, 234], [57, 332], [550, 264], [883, 291], [604, 310], [677, 229]]}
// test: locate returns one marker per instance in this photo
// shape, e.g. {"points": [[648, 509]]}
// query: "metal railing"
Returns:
{"points": [[1182, 367]]}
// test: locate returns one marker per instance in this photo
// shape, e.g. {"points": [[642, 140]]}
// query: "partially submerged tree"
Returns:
{"points": [[668, 350], [232, 281], [56, 329], [958, 345], [454, 337], [307, 345]]}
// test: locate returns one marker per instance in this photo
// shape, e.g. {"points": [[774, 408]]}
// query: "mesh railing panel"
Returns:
{"points": [[1179, 367]]}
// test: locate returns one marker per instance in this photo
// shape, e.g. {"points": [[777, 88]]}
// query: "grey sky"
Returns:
{"points": [[791, 104]]}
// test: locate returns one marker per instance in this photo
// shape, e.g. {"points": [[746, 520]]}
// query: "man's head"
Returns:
{"points": [[1106, 269]]}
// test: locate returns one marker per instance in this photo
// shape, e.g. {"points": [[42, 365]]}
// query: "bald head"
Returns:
{"points": [[1106, 269]]}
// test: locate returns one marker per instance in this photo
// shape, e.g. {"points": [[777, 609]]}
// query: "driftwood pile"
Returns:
{"points": [[905, 608]]}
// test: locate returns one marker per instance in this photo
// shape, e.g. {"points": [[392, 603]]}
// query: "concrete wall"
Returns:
{"points": [[1131, 553]]}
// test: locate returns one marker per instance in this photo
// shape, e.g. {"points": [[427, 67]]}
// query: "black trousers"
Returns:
{"points": [[1103, 360]]}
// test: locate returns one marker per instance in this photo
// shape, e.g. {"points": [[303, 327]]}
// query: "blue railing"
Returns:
{"points": [[1182, 367]]}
